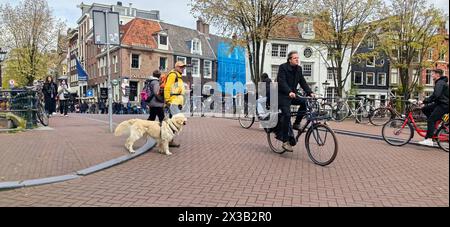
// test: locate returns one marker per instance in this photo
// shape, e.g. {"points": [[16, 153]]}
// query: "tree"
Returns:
{"points": [[411, 29], [250, 20], [30, 31], [341, 26]]}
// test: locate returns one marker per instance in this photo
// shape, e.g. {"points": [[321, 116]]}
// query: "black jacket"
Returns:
{"points": [[50, 88], [268, 81], [289, 77], [440, 94]]}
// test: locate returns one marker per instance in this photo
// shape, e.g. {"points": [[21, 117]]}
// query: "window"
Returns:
{"points": [[371, 62], [430, 54], [358, 80], [307, 69], [394, 76], [195, 67], [308, 27], [382, 62], [331, 93], [116, 62], [308, 52], [196, 47], [428, 78], [279, 50], [330, 72], [135, 61], [371, 43], [182, 59], [381, 79], [370, 79], [442, 55], [163, 40], [207, 69], [275, 71], [163, 64]]}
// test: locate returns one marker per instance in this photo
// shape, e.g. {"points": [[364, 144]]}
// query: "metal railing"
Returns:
{"points": [[20, 102]]}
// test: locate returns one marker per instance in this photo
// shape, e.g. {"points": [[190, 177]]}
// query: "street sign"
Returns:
{"points": [[90, 93], [106, 30], [104, 93]]}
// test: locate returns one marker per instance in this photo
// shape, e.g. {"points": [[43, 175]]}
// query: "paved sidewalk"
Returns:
{"points": [[71, 144], [221, 164]]}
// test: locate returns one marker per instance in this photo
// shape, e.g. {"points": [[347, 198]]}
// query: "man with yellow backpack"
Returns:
{"points": [[174, 91]]}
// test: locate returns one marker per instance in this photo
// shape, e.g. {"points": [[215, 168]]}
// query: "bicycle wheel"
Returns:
{"points": [[328, 110], [246, 121], [321, 144], [42, 115], [362, 115], [397, 133], [381, 116], [340, 112], [442, 135], [275, 144]]}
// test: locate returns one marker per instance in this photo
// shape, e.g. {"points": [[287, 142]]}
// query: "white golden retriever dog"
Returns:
{"points": [[162, 133]]}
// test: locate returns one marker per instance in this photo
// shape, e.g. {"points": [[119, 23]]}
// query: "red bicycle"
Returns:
{"points": [[400, 131]]}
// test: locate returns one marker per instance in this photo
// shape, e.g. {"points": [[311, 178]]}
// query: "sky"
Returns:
{"points": [[171, 11]]}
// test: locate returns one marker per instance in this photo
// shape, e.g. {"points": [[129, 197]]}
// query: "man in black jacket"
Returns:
{"points": [[436, 105], [289, 77]]}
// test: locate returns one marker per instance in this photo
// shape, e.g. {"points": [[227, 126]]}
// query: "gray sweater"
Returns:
{"points": [[157, 100]]}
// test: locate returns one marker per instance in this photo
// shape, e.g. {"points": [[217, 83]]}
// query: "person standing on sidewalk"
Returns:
{"points": [[63, 96], [174, 92], [156, 100], [50, 91]]}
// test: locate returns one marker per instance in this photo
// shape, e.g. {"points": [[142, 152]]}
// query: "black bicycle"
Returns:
{"points": [[320, 140], [38, 105]]}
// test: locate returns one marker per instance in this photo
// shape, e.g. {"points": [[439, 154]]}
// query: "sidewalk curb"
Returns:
{"points": [[10, 185]]}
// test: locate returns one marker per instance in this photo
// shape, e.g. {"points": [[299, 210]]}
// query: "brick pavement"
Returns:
{"points": [[72, 145], [221, 164]]}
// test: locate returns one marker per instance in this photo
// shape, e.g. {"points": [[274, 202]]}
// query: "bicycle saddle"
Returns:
{"points": [[412, 101]]}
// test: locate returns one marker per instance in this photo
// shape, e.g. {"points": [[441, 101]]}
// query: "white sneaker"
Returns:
{"points": [[427, 142], [287, 146]]}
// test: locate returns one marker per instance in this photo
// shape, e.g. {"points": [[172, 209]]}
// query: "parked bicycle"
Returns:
{"points": [[400, 131], [341, 110], [320, 140], [38, 102], [384, 114]]}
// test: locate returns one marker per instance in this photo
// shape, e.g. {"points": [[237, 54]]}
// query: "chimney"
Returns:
{"points": [[130, 12], [200, 27], [119, 3], [206, 28]]}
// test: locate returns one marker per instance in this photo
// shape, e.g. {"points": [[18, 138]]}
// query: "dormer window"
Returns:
{"points": [[308, 27], [196, 47], [163, 41]]}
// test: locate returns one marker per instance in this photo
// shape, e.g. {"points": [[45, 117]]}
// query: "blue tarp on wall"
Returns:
{"points": [[231, 66]]}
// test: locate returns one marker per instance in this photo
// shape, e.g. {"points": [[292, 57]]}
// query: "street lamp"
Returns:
{"points": [[2, 58]]}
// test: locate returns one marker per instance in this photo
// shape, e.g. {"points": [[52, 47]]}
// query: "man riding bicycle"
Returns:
{"points": [[289, 77], [436, 105]]}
